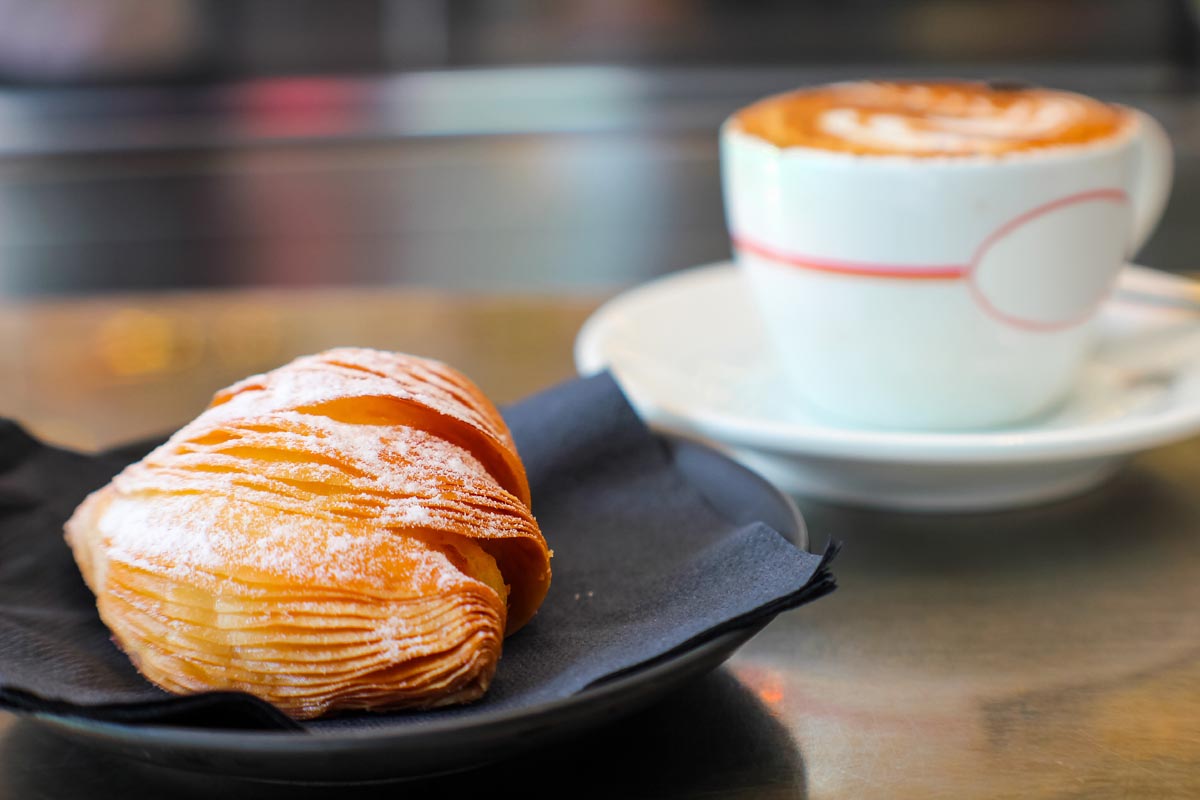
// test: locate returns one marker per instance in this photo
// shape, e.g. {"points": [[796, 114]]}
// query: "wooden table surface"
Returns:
{"points": [[1047, 653]]}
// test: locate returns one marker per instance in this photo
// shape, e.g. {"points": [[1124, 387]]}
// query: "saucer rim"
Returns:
{"points": [[1017, 444]]}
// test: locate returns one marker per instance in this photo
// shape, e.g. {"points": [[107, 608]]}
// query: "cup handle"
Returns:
{"points": [[1152, 181]]}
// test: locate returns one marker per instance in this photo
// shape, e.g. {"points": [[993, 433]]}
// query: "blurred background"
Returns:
{"points": [[483, 145]]}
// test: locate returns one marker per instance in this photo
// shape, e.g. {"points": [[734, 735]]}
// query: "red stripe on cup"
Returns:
{"points": [[924, 272], [940, 272], [943, 272], [1033, 325]]}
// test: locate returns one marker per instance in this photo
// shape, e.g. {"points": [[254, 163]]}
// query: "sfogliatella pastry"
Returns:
{"points": [[349, 531]]}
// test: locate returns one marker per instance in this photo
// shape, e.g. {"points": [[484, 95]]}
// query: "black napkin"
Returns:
{"points": [[643, 568]]}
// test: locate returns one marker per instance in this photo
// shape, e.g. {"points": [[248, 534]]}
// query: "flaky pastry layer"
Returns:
{"points": [[349, 531]]}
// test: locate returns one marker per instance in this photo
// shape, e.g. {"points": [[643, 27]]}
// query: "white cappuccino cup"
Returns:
{"points": [[938, 270]]}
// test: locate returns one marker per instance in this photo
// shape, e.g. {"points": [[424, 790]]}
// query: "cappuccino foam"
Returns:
{"points": [[930, 119]]}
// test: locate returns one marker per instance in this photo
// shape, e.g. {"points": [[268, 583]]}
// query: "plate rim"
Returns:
{"points": [[343, 740], [280, 742], [1009, 446]]}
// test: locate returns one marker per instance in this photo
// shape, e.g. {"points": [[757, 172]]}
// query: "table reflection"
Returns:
{"points": [[1027, 650]]}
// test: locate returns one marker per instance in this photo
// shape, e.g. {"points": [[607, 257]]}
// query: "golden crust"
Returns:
{"points": [[350, 531]]}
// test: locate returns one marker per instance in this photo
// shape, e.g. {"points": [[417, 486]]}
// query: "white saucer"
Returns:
{"points": [[690, 354]]}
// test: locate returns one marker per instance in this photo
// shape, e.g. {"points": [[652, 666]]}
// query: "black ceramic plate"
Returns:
{"points": [[408, 750]]}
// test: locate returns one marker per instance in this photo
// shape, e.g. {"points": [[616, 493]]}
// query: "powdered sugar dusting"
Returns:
{"points": [[318, 559], [295, 488], [396, 477], [349, 373], [170, 532]]}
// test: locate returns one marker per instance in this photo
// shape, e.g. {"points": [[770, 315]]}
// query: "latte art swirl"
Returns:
{"points": [[983, 127], [930, 119]]}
